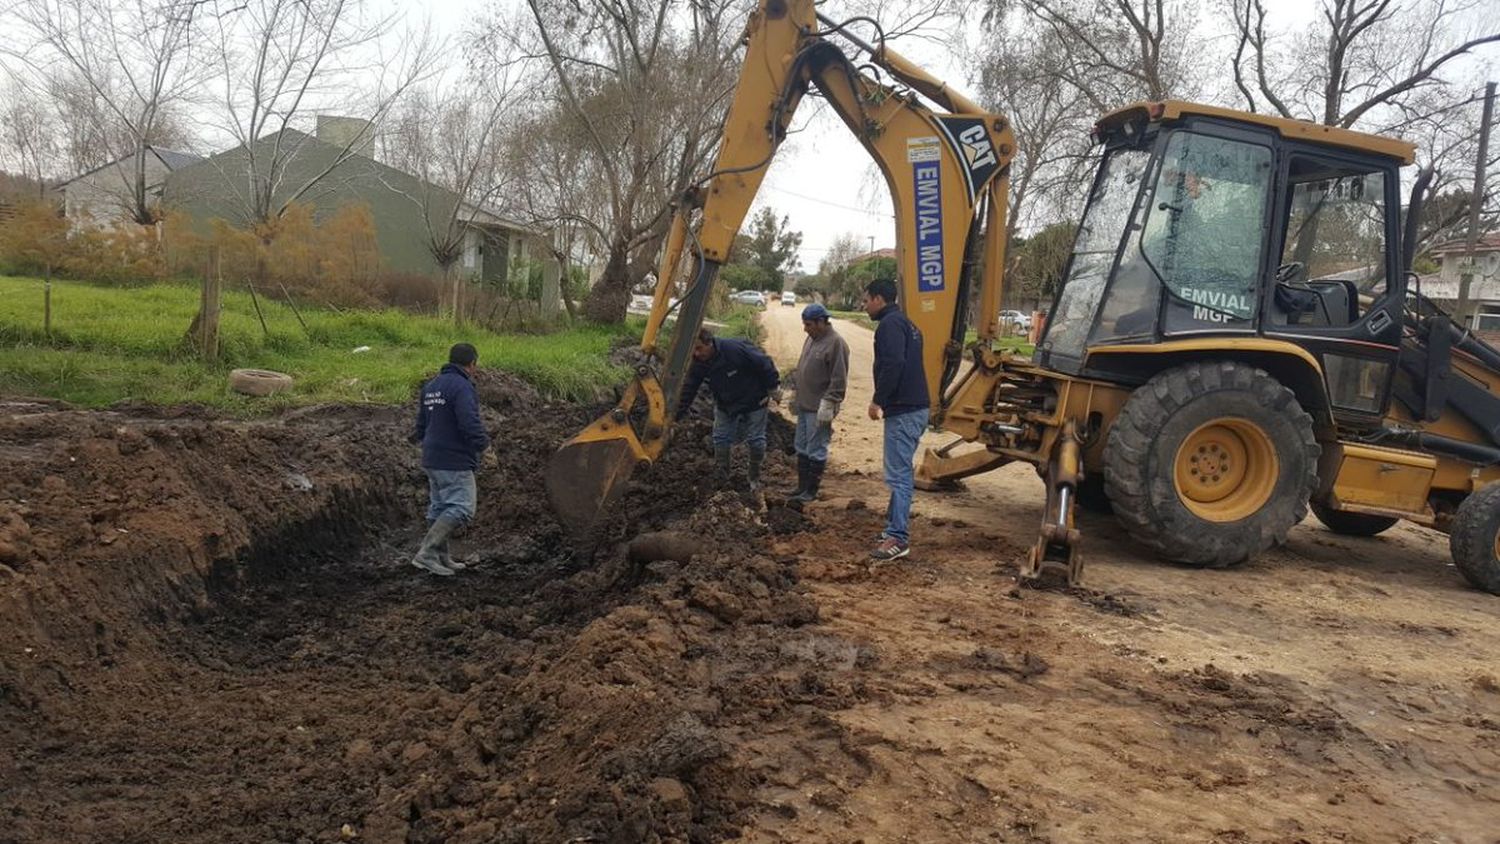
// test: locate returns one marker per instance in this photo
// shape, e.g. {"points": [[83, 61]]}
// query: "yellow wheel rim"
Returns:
{"points": [[1226, 470]]}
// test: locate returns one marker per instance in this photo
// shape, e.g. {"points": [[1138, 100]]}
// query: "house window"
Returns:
{"points": [[471, 251], [1488, 318]]}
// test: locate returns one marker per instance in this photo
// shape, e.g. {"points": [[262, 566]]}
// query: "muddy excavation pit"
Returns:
{"points": [[211, 633]]}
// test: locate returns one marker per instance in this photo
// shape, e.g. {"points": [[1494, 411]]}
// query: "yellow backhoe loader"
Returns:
{"points": [[1237, 335]]}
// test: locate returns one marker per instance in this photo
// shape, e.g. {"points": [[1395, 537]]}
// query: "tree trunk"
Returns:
{"points": [[203, 334], [610, 296], [47, 303]]}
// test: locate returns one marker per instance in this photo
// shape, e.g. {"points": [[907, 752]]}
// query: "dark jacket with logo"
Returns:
{"points": [[740, 377], [448, 423], [900, 383]]}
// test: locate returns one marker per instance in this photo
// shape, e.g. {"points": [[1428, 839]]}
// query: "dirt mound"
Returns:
{"points": [[212, 634]]}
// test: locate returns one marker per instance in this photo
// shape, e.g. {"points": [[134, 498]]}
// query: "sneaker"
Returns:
{"points": [[431, 566], [890, 548]]}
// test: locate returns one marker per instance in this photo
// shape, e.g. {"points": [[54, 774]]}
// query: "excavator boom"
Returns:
{"points": [[945, 164]]}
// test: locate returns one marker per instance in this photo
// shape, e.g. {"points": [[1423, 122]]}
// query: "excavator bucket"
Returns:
{"points": [[585, 479], [588, 473]]}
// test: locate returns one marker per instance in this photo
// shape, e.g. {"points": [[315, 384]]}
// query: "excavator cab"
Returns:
{"points": [[1206, 225], [1236, 340]]}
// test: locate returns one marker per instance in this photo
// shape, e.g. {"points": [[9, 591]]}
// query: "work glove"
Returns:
{"points": [[827, 409], [489, 460], [777, 395]]}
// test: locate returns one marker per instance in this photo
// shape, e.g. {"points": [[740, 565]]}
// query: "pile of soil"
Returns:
{"points": [[209, 632]]}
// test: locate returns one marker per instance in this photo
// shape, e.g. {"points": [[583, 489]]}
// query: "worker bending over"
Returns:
{"points": [[741, 379]]}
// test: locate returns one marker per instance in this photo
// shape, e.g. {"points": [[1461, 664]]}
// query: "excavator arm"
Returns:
{"points": [[947, 170]]}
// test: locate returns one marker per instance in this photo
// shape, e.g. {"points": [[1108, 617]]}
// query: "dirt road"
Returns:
{"points": [[1334, 689]]}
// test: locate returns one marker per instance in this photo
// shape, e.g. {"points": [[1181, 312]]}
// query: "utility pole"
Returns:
{"points": [[872, 244], [1461, 312]]}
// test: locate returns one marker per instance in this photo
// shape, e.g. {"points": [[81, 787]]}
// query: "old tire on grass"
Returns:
{"points": [[1211, 463], [1351, 524], [259, 382], [1475, 539]]}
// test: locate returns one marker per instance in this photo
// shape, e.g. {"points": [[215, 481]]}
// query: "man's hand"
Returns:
{"points": [[489, 460], [777, 395], [874, 410]]}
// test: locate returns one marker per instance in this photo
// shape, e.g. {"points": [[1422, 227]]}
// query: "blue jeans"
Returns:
{"points": [[901, 435], [748, 428], [451, 493], [812, 438]]}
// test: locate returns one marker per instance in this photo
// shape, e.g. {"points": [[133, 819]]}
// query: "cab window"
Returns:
{"points": [[1205, 228], [1333, 261]]}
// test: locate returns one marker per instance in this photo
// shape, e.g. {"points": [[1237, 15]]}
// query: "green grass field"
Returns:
{"points": [[112, 344]]}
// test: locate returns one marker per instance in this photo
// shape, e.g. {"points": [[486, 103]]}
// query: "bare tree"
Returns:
{"points": [[278, 61], [27, 136], [1376, 65], [452, 142], [640, 88], [1364, 57], [1117, 51], [1031, 83], [133, 59]]}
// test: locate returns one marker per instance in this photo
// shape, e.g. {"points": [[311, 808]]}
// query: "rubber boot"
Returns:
{"points": [[801, 478], [722, 456], [445, 556], [757, 457], [427, 557], [814, 477], [809, 491]]}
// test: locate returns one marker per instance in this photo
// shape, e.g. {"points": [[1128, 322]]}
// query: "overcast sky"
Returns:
{"points": [[822, 179]]}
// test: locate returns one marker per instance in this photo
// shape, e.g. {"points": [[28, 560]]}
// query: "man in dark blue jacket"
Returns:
{"points": [[453, 440], [741, 379], [901, 399]]}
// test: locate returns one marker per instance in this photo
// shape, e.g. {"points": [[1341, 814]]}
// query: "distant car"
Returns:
{"points": [[788, 298], [749, 297], [1016, 319]]}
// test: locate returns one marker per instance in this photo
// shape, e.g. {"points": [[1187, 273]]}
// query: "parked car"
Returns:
{"points": [[788, 298], [1015, 320], [749, 297]]}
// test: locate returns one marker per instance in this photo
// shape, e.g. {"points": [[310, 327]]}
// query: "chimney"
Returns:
{"points": [[345, 132]]}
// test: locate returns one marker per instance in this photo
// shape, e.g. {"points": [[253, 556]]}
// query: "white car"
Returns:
{"points": [[1020, 321], [749, 297], [788, 298]]}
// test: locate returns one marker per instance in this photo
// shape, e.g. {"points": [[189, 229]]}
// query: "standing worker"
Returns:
{"points": [[822, 375], [453, 439], [741, 379], [901, 399]]}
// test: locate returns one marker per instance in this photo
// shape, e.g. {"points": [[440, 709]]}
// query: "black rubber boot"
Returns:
{"points": [[722, 458], [809, 491], [801, 477], [814, 477], [757, 457]]}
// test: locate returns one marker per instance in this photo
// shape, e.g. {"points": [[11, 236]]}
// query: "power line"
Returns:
{"points": [[821, 201]]}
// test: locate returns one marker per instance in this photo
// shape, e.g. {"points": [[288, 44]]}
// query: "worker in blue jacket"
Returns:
{"points": [[741, 379], [901, 400], [453, 441]]}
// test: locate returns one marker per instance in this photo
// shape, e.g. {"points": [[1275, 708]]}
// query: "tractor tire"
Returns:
{"points": [[1091, 495], [1211, 463], [1475, 539], [1351, 524], [259, 382]]}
